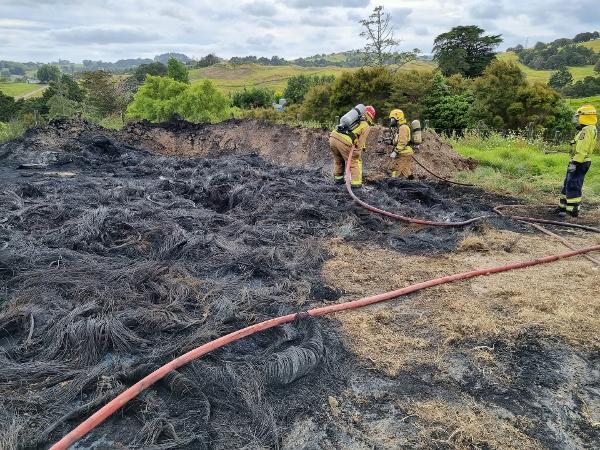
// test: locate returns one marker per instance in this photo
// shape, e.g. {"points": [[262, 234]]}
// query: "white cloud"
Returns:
{"points": [[44, 30]]}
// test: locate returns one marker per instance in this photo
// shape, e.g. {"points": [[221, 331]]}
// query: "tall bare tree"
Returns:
{"points": [[381, 45]]}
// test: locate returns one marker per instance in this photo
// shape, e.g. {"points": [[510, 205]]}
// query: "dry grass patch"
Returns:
{"points": [[375, 336], [557, 299], [467, 425]]}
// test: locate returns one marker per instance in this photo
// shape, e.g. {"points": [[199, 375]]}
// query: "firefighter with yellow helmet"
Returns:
{"points": [[401, 164], [585, 119]]}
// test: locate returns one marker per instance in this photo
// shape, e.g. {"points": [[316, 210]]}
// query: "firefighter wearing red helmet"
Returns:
{"points": [[352, 132]]}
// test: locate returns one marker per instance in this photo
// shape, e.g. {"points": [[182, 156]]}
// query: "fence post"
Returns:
{"points": [[337, 120], [556, 136], [426, 124], [37, 117]]}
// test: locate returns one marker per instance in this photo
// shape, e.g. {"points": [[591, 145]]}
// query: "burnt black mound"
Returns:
{"points": [[114, 260]]}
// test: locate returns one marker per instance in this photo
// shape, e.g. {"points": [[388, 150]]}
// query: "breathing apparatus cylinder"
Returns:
{"points": [[352, 117], [417, 134]]}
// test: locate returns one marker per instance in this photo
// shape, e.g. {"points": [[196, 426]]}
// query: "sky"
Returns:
{"points": [[108, 30]]}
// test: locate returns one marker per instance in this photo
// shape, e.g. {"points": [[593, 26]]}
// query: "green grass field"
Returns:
{"points": [[543, 76], [21, 89], [516, 167], [231, 78]]}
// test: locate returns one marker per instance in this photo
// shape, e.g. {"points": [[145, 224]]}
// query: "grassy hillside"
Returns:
{"points": [[234, 78], [543, 76], [22, 89], [594, 45], [577, 102]]}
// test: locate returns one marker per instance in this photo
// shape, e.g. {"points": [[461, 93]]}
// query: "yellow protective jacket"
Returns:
{"points": [[361, 132], [402, 139], [585, 143]]}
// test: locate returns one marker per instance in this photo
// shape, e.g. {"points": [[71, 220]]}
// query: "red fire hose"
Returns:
{"points": [[117, 403]]}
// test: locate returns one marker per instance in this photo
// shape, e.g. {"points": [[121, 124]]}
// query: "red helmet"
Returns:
{"points": [[371, 112]]}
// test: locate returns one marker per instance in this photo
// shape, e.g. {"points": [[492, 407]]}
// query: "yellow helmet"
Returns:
{"points": [[398, 114], [587, 115]]}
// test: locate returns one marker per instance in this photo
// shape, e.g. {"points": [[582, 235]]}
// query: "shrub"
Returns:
{"points": [[159, 98], [299, 85], [252, 98]]}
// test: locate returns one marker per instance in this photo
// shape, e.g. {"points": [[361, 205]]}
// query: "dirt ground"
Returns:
{"points": [[288, 145], [121, 250]]}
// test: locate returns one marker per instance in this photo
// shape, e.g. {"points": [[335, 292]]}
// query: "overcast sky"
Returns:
{"points": [[45, 30]]}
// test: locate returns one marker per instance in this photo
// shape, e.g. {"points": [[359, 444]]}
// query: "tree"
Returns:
{"points": [[203, 102], [560, 78], [104, 93], [9, 107], [465, 50], [585, 37], [177, 71], [317, 104], [587, 87], [66, 86], [159, 98], [504, 99], [371, 85], [48, 73], [209, 60], [409, 89], [447, 110], [61, 106], [155, 69], [380, 38]]}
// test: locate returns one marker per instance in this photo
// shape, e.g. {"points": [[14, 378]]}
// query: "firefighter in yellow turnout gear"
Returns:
{"points": [[584, 144], [341, 142], [401, 164]]}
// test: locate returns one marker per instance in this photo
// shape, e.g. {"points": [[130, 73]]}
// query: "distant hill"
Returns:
{"points": [[164, 58], [231, 78]]}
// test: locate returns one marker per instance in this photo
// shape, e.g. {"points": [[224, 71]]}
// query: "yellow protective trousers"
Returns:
{"points": [[340, 151], [402, 166]]}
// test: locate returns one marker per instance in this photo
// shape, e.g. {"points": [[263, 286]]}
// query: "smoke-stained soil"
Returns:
{"points": [[121, 250]]}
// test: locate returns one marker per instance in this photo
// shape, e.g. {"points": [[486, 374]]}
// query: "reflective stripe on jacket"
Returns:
{"points": [[361, 132], [585, 143]]}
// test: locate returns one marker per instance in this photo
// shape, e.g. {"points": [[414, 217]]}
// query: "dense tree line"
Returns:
{"points": [[500, 98]]}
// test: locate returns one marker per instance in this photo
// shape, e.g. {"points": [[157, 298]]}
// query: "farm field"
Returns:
{"points": [[231, 78], [21, 89]]}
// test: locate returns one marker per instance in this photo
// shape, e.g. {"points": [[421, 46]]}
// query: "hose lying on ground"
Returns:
{"points": [[398, 216], [117, 403], [561, 239], [437, 176], [450, 224], [497, 209]]}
